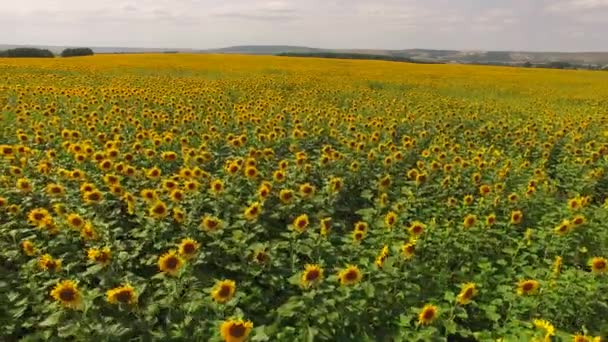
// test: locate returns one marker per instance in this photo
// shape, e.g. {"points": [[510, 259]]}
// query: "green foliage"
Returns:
{"points": [[27, 52], [74, 52]]}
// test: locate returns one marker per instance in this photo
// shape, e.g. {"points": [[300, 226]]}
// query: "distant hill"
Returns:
{"points": [[422, 55]]}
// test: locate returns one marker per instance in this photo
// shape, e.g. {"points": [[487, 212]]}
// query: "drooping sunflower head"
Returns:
{"points": [[428, 314], [47, 263], [124, 294], [467, 292], [390, 219], [66, 292], [408, 249], [170, 263], [188, 248], [224, 291], [28, 248], [235, 330], [381, 257], [563, 228], [350, 275]]}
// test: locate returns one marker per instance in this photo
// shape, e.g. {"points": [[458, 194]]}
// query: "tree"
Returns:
{"points": [[27, 52], [73, 52]]}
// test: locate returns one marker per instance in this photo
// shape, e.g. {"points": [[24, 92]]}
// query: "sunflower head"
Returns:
{"points": [[158, 210], [416, 228], [224, 291], [253, 211], [312, 275], [170, 263], [188, 248], [350, 275], [467, 292], [516, 217], [598, 265], [66, 292], [428, 314], [300, 223], [235, 330], [527, 287], [390, 219], [124, 294]]}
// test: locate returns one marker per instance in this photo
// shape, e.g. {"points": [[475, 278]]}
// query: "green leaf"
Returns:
{"points": [[51, 320]]}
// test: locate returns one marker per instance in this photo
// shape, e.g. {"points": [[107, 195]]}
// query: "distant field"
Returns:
{"points": [[231, 198]]}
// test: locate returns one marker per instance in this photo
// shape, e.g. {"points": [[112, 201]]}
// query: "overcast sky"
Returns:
{"points": [[564, 25]]}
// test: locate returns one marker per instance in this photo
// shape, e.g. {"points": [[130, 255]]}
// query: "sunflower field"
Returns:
{"points": [[243, 198]]}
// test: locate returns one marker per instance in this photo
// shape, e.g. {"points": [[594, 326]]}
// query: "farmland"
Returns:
{"points": [[259, 198]]}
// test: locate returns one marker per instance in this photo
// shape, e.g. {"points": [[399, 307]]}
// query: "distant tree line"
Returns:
{"points": [[23, 52], [346, 55], [73, 52], [548, 65], [27, 52]]}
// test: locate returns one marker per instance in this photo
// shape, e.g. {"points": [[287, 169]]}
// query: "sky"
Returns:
{"points": [[531, 25]]}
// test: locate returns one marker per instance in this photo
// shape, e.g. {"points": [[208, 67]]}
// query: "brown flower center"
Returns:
{"points": [[67, 295], [312, 275], [237, 330], [171, 263]]}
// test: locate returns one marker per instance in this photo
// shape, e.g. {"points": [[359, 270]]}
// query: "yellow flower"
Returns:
{"points": [[285, 195], [381, 257], [546, 326], [38, 216], [101, 256], [28, 248], [312, 275], [467, 292], [224, 291], [235, 330], [158, 210], [253, 211], [470, 220], [75, 221], [408, 249], [516, 217], [124, 294], [527, 287], [416, 228], [428, 314], [24, 185], [47, 263], [326, 224], [598, 265], [300, 223], [217, 186], [188, 248], [390, 219], [170, 263], [350, 275], [66, 292], [563, 227]]}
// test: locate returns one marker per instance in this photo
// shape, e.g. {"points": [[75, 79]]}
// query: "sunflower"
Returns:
{"points": [[55, 190], [251, 172], [75, 221], [279, 176], [101, 256], [546, 327], [312, 275], [598, 265], [300, 223], [557, 266], [390, 219], [563, 227], [253, 211], [381, 257], [468, 200], [325, 226], [38, 216], [235, 330], [263, 191], [491, 219], [28, 248], [416, 228], [578, 220], [467, 292], [527, 287], [92, 197], [428, 314], [516, 217], [210, 223], [24, 185], [154, 173], [469, 220], [170, 263], [88, 232], [216, 186], [335, 184], [575, 203], [285, 195], [188, 248], [149, 195], [358, 235], [176, 195], [223, 291], [350, 275], [66, 292], [484, 189], [158, 210], [408, 249], [580, 338], [47, 263], [124, 294]]}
